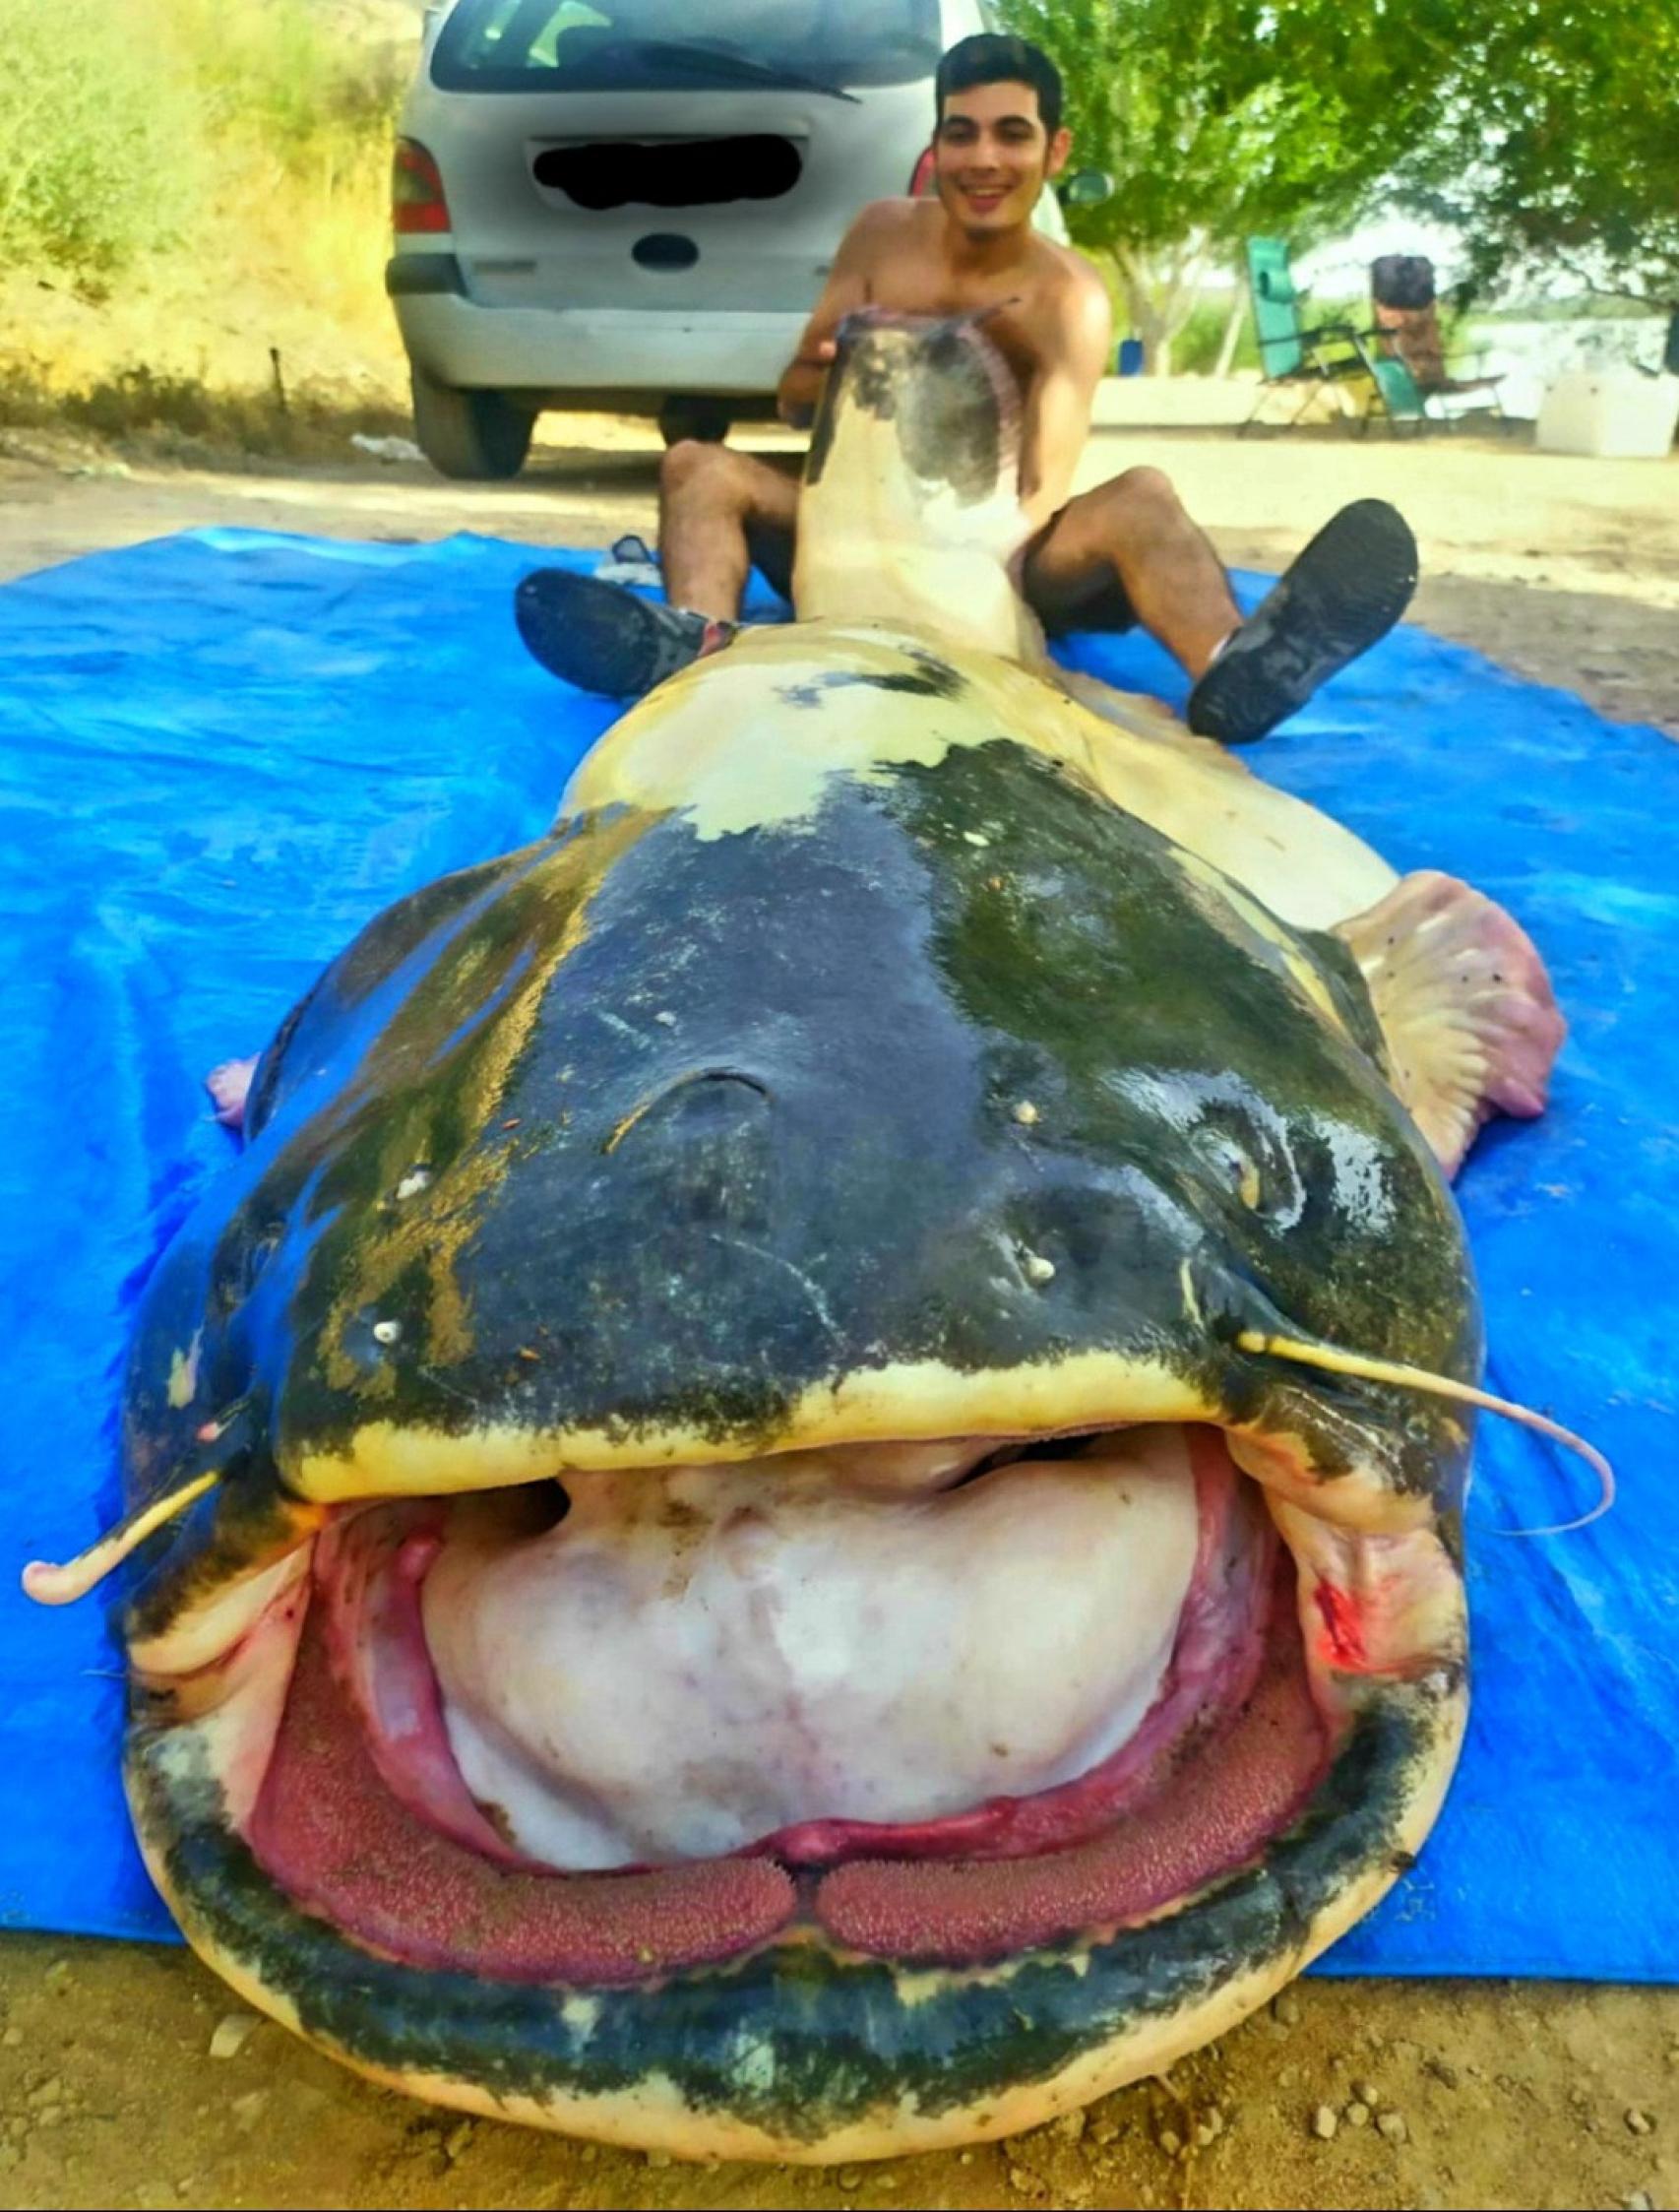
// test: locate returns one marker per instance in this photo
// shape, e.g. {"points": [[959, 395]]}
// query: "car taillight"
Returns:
{"points": [[416, 190], [921, 176]]}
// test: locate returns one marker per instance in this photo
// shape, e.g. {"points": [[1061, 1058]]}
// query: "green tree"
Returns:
{"points": [[1221, 118], [1558, 146]]}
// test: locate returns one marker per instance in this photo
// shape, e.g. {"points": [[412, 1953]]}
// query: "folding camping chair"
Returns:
{"points": [[1406, 316], [1332, 356]]}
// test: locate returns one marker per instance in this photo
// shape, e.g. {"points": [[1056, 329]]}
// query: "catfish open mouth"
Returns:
{"points": [[928, 1702]]}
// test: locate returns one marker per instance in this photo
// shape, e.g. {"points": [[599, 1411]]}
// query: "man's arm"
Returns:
{"points": [[1058, 401], [847, 288]]}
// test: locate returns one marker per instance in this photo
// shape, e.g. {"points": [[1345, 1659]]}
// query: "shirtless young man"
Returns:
{"points": [[1125, 553]]}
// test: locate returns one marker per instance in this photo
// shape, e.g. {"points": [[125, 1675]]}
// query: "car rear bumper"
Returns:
{"points": [[558, 351]]}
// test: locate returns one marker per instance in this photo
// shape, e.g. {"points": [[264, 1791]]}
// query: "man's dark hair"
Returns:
{"points": [[990, 58]]}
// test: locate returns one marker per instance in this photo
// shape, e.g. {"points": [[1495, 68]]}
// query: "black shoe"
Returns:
{"points": [[602, 637], [1343, 593]]}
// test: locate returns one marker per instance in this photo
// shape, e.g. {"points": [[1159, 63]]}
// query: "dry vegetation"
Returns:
{"points": [[193, 223]]}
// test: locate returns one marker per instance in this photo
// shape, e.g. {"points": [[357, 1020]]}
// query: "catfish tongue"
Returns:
{"points": [[693, 1659]]}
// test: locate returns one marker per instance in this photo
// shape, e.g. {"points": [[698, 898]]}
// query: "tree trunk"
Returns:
{"points": [[1232, 331], [1141, 310], [1158, 303]]}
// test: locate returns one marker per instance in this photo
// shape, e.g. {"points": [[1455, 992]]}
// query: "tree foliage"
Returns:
{"points": [[1219, 119], [1557, 148]]}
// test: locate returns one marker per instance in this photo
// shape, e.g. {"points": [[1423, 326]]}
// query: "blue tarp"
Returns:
{"points": [[221, 753]]}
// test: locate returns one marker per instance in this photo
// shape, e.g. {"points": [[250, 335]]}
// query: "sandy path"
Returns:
{"points": [[1567, 571]]}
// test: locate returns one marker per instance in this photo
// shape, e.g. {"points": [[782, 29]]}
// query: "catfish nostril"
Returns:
{"points": [[726, 1075], [700, 1152]]}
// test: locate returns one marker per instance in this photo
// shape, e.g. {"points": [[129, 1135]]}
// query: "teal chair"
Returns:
{"points": [[1328, 356], [1402, 396]]}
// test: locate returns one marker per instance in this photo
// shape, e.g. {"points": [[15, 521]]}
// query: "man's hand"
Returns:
{"points": [[846, 290], [801, 382]]}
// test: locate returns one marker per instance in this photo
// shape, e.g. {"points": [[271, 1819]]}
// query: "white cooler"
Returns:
{"points": [[1615, 412]]}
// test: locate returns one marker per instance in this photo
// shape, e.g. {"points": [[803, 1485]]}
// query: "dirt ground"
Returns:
{"points": [[129, 2076]]}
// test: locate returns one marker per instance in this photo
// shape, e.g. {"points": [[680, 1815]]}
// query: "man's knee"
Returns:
{"points": [[692, 466], [1126, 512], [1143, 493]]}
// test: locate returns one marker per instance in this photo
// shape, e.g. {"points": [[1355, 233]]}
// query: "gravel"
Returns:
{"points": [[232, 2032]]}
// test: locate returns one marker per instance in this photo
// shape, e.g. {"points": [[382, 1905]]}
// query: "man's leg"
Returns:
{"points": [[1128, 552], [1128, 549], [719, 511]]}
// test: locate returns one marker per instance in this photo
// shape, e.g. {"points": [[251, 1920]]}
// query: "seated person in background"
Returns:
{"points": [[1122, 553]]}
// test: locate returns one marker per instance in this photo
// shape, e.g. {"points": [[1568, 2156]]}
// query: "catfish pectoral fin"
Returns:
{"points": [[1465, 1005]]}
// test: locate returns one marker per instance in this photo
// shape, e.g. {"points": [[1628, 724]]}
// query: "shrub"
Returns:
{"points": [[129, 128], [101, 150], [276, 77]]}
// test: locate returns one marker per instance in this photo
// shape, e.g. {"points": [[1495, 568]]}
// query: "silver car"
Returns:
{"points": [[633, 204]]}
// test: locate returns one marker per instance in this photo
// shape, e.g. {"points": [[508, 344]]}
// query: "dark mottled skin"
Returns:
{"points": [[678, 1198]]}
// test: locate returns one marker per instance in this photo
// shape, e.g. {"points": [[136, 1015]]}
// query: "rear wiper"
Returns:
{"points": [[693, 54]]}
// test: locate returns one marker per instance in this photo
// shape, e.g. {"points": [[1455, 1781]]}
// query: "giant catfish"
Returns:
{"points": [[802, 1497]]}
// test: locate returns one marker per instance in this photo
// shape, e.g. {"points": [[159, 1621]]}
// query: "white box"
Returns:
{"points": [[1615, 412]]}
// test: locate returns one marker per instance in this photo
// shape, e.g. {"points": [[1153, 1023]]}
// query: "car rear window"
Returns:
{"points": [[627, 45]]}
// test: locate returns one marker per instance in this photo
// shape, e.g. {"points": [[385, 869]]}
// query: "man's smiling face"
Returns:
{"points": [[992, 156]]}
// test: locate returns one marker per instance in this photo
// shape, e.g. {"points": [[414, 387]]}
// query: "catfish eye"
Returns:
{"points": [[1233, 1165], [260, 1253]]}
